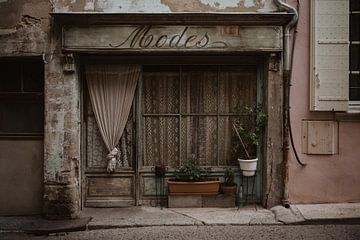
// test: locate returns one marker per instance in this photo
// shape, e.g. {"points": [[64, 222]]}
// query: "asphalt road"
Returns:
{"points": [[268, 232]]}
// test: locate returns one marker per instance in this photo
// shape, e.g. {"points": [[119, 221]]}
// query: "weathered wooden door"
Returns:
{"points": [[100, 188]]}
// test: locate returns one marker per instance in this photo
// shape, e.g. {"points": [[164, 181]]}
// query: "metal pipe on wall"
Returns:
{"points": [[287, 74], [287, 53]]}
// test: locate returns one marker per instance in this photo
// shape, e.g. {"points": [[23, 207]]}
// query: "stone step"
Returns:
{"points": [[198, 201]]}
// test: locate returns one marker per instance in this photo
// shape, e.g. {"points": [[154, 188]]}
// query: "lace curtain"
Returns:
{"points": [[188, 110]]}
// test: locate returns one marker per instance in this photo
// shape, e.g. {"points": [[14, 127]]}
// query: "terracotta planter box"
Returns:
{"points": [[229, 189], [210, 187]]}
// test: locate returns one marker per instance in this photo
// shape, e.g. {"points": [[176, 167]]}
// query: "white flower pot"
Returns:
{"points": [[248, 166]]}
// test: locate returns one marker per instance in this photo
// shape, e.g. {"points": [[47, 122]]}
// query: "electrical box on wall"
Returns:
{"points": [[319, 137]]}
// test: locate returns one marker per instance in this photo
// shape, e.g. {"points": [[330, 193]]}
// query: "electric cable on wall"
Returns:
{"points": [[289, 116]]}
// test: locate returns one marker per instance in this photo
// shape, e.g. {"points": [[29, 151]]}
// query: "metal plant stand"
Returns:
{"points": [[246, 188], [160, 185]]}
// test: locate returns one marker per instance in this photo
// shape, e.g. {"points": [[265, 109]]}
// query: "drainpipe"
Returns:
{"points": [[287, 75]]}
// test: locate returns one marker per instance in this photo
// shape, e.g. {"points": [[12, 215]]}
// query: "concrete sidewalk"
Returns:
{"points": [[318, 213], [149, 216], [106, 218]]}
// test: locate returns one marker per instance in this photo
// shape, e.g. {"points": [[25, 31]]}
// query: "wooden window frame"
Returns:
{"points": [[354, 105], [181, 115], [22, 96]]}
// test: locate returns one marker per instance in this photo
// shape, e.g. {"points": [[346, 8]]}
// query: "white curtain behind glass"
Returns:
{"points": [[112, 89]]}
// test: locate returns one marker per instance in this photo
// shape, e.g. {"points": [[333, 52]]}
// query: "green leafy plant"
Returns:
{"points": [[189, 171], [229, 176], [248, 129]]}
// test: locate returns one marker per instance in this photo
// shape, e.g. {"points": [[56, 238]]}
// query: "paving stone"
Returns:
{"points": [[290, 215], [135, 216], [198, 201], [219, 201], [188, 201], [231, 216], [329, 211]]}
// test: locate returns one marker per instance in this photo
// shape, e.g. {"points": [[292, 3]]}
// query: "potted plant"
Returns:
{"points": [[248, 134], [190, 179], [228, 187]]}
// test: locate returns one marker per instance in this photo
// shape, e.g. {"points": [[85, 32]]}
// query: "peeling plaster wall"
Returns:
{"points": [[273, 160], [156, 6], [25, 31], [23, 27]]}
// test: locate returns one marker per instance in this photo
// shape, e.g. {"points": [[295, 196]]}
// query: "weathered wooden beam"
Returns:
{"points": [[250, 18]]}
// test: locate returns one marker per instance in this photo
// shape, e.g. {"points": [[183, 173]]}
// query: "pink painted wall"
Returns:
{"points": [[326, 178]]}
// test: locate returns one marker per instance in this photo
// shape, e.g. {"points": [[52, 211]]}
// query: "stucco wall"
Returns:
{"points": [[326, 178], [21, 172], [157, 6]]}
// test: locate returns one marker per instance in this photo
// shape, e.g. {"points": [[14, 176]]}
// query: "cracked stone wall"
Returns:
{"points": [[25, 30]]}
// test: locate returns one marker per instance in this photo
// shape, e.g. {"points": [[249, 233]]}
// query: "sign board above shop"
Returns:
{"points": [[171, 38]]}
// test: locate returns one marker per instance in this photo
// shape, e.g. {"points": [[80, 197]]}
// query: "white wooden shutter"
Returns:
{"points": [[329, 75]]}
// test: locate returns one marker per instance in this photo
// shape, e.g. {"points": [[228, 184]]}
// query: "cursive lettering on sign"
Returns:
{"points": [[143, 37]]}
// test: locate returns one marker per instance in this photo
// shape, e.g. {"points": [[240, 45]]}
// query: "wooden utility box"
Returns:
{"points": [[319, 137]]}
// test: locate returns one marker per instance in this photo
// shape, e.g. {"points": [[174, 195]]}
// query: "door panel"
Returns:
{"points": [[102, 189]]}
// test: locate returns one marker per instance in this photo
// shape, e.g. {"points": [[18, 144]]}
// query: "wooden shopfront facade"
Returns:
{"points": [[196, 71]]}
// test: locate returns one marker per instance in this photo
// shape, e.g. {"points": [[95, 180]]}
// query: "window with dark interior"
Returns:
{"points": [[21, 96], [354, 50]]}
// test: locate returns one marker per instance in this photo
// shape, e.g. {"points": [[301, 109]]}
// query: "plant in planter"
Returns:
{"points": [[248, 134], [228, 187], [190, 179]]}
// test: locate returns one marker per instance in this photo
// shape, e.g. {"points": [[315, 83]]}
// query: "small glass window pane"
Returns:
{"points": [[10, 77], [237, 88], [33, 76], [355, 57], [355, 5], [355, 94], [355, 87], [354, 80], [355, 26], [199, 90], [199, 139], [161, 141], [160, 89], [21, 116]]}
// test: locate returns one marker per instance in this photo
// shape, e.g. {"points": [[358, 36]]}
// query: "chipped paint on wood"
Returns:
{"points": [[89, 5], [172, 38], [221, 4], [109, 187], [160, 6]]}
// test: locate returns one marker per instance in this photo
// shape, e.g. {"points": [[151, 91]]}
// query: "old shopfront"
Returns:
{"points": [[186, 76]]}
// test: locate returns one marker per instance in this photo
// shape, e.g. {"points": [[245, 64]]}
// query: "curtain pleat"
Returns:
{"points": [[112, 89]]}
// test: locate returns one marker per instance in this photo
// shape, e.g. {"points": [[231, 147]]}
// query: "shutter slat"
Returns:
{"points": [[330, 55]]}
